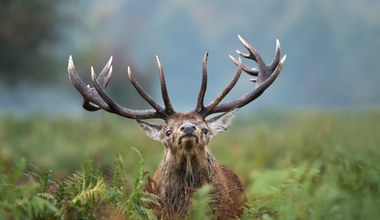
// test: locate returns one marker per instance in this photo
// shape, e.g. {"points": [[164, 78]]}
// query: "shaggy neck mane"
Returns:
{"points": [[182, 178]]}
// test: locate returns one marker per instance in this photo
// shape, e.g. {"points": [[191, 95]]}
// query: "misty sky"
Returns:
{"points": [[331, 46]]}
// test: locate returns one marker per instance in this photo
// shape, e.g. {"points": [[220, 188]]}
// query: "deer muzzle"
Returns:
{"points": [[188, 135]]}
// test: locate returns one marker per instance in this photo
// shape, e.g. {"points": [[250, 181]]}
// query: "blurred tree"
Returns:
{"points": [[27, 29]]}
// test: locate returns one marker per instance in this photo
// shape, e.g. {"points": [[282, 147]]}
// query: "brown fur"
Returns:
{"points": [[187, 166]]}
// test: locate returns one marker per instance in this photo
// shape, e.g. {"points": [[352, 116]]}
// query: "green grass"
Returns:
{"points": [[298, 165]]}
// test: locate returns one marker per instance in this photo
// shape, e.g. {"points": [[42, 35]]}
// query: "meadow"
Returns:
{"points": [[294, 165]]}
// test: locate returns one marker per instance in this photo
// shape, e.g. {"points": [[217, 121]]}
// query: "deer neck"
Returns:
{"points": [[182, 176], [192, 170]]}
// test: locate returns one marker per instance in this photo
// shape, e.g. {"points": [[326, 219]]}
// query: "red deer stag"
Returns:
{"points": [[187, 163]]}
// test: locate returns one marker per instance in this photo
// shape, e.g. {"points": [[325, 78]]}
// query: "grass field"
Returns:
{"points": [[297, 165]]}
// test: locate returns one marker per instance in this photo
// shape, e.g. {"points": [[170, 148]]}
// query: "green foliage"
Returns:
{"points": [[24, 201], [133, 206], [83, 192], [200, 204], [119, 173], [303, 165], [84, 195]]}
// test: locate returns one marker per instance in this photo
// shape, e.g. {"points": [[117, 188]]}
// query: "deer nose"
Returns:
{"points": [[188, 129]]}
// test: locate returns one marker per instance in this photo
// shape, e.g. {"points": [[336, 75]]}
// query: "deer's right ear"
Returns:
{"points": [[152, 130]]}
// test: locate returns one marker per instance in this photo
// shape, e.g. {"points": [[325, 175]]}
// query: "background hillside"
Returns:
{"points": [[332, 50]]}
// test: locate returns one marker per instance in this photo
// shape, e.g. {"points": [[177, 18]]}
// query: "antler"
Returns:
{"points": [[265, 76], [95, 98]]}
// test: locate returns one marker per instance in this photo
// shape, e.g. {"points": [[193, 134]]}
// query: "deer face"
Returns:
{"points": [[187, 134]]}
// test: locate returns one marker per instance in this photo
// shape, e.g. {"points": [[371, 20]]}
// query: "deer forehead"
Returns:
{"points": [[181, 118]]}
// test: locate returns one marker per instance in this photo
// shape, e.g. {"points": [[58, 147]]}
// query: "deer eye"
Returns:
{"points": [[204, 130], [168, 132]]}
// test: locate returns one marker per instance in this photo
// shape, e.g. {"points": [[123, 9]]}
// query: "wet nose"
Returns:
{"points": [[188, 129]]}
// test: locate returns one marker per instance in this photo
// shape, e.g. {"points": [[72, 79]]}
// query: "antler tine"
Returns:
{"points": [[118, 109], [202, 91], [89, 106], [168, 106], [103, 79], [266, 77], [226, 90], [253, 54], [96, 98], [250, 71], [143, 94], [106, 73], [276, 56], [89, 94]]}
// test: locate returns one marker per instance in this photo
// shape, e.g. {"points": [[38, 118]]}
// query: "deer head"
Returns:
{"points": [[185, 135]]}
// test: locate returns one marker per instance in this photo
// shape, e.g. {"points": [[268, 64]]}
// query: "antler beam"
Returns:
{"points": [[95, 98]]}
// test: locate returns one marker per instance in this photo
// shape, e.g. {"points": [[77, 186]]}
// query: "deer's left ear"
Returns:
{"points": [[221, 122], [152, 130]]}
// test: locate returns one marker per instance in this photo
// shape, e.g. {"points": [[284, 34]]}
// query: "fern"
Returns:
{"points": [[119, 175], [86, 190], [134, 205], [82, 179], [84, 195], [265, 206], [199, 208], [93, 194], [24, 201]]}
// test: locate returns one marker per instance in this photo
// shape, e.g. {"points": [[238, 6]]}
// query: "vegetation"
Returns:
{"points": [[300, 165]]}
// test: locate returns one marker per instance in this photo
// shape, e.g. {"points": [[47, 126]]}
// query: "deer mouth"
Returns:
{"points": [[188, 140]]}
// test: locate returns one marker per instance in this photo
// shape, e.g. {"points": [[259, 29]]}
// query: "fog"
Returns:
{"points": [[331, 46]]}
